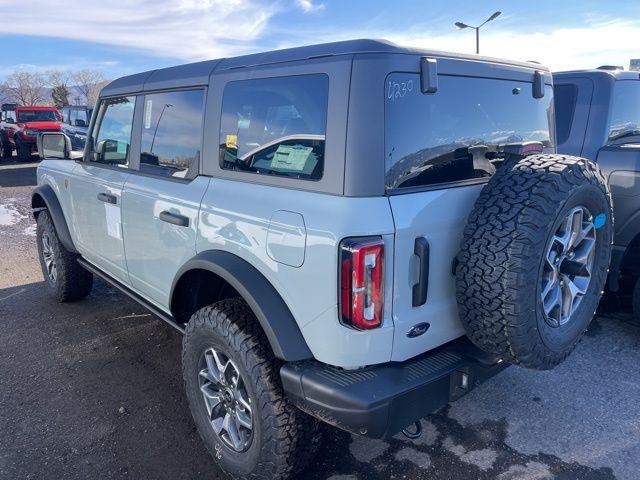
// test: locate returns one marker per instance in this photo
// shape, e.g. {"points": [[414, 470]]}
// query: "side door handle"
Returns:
{"points": [[174, 219], [108, 198], [421, 250]]}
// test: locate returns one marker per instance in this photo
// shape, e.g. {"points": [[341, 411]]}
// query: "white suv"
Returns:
{"points": [[300, 216]]}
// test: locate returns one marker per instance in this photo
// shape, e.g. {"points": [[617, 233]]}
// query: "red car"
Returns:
{"points": [[19, 128]]}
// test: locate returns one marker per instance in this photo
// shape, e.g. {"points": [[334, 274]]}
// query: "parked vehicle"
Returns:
{"points": [[20, 126], [75, 122], [598, 117], [300, 215]]}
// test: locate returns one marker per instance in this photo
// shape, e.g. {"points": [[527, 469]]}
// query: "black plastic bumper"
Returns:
{"points": [[381, 400]]}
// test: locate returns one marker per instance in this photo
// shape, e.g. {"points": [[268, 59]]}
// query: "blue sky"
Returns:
{"points": [[121, 37]]}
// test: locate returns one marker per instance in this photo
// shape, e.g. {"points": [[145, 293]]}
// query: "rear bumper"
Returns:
{"points": [[380, 401]]}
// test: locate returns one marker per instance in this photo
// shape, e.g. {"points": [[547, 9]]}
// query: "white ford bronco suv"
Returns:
{"points": [[354, 233]]}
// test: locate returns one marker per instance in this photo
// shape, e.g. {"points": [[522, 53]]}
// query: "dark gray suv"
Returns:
{"points": [[598, 117]]}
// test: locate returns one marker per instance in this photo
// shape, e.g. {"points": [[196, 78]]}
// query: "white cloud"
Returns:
{"points": [[308, 6], [593, 44], [185, 29]]}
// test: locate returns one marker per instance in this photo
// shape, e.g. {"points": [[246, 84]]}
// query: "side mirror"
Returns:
{"points": [[111, 151], [80, 123], [54, 145]]}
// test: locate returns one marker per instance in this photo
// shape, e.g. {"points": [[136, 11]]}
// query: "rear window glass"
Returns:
{"points": [[565, 97], [624, 124], [440, 138], [275, 126]]}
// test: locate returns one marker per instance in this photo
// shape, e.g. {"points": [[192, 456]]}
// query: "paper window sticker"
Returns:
{"points": [[292, 158], [112, 213]]}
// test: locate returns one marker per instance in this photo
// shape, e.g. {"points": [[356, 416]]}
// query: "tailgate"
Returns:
{"points": [[439, 218]]}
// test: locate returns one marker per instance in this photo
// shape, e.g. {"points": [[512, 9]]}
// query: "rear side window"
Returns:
{"points": [[624, 123], [172, 133], [275, 126], [111, 139], [565, 97], [444, 137]]}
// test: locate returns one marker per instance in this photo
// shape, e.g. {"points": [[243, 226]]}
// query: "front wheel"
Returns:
{"points": [[7, 151], [233, 387], [22, 151], [65, 277]]}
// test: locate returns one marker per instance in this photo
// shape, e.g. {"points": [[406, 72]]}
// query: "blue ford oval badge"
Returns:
{"points": [[418, 329]]}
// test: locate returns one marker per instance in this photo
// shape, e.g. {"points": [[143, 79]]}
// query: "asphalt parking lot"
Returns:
{"points": [[93, 390]]}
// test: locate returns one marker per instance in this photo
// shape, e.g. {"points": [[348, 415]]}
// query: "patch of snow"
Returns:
{"points": [[30, 230], [9, 215]]}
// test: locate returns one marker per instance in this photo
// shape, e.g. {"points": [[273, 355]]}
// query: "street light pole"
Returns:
{"points": [[461, 25]]}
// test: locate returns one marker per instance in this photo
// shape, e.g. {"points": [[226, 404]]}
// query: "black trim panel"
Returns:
{"points": [[273, 314], [55, 210], [131, 294]]}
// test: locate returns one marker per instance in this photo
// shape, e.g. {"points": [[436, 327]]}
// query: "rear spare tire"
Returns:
{"points": [[534, 258]]}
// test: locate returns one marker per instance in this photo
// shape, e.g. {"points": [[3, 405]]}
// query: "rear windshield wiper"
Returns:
{"points": [[626, 134]]}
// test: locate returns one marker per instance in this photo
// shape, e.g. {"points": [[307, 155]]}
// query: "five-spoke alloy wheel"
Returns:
{"points": [[226, 400]]}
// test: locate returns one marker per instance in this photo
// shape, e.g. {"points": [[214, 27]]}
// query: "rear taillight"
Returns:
{"points": [[362, 282]]}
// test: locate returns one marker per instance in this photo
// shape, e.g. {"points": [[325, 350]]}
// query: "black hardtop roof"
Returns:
{"points": [[194, 74], [599, 73]]}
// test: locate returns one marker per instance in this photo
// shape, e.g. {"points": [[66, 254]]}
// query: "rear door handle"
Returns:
{"points": [[421, 250], [174, 219], [108, 198]]}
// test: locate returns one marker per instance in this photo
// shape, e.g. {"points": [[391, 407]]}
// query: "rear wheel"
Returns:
{"points": [[534, 259], [66, 278], [233, 387]]}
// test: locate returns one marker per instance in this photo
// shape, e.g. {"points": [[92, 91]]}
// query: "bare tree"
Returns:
{"points": [[89, 82], [24, 88], [59, 81]]}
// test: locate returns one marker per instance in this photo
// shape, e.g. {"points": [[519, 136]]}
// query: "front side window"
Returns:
{"points": [[624, 123], [171, 133], [275, 126], [111, 139], [37, 116], [450, 135]]}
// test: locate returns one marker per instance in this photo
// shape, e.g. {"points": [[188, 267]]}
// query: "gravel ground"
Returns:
{"points": [[93, 390]]}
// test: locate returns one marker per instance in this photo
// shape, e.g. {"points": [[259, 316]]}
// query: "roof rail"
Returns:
{"points": [[610, 67]]}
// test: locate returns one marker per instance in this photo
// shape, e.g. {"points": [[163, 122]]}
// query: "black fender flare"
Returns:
{"points": [[50, 199], [625, 237], [274, 316]]}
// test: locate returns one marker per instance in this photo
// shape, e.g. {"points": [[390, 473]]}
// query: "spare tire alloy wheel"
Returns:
{"points": [[567, 266], [226, 400], [534, 258]]}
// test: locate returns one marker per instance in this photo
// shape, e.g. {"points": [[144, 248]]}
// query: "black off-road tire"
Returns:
{"points": [[635, 301], [499, 270], [284, 438], [23, 152], [6, 151], [72, 281]]}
